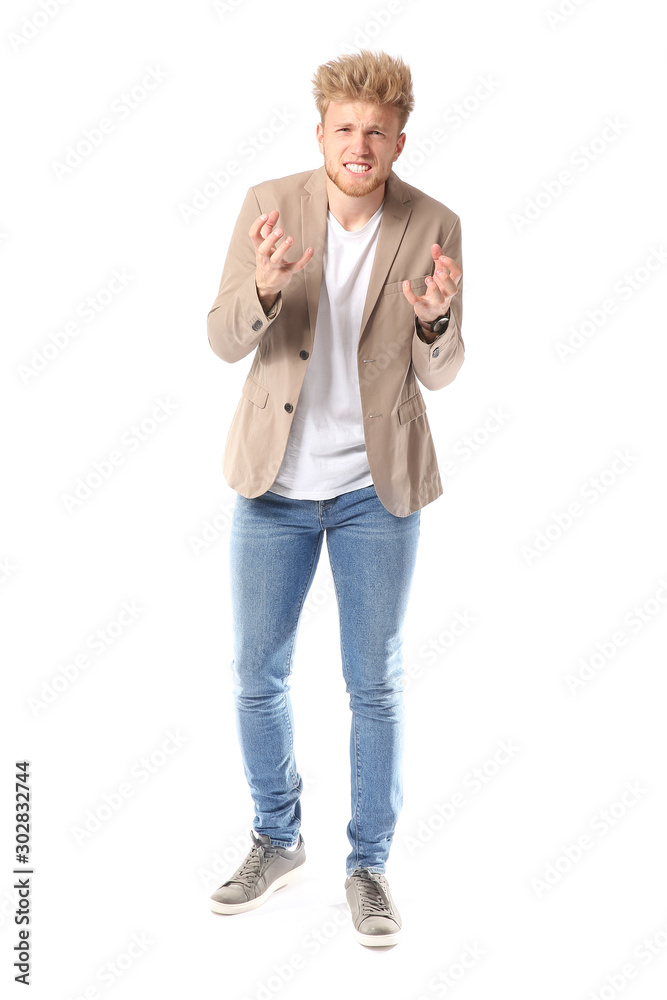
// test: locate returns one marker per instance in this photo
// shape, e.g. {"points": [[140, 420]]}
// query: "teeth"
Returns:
{"points": [[357, 168]]}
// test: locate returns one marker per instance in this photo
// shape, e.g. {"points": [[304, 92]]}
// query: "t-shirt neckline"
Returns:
{"points": [[354, 232]]}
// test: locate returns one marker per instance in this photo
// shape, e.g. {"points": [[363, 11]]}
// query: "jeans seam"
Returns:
{"points": [[355, 812], [318, 545], [356, 804]]}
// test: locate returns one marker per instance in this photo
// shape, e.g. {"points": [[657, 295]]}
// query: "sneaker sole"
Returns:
{"points": [[377, 940], [251, 904]]}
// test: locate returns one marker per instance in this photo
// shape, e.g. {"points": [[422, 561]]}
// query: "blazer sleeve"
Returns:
{"points": [[236, 321], [436, 364]]}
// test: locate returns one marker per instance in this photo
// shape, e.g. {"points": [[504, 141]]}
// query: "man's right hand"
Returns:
{"points": [[273, 272]]}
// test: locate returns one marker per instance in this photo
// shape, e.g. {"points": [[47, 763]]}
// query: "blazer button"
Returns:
{"points": [[303, 354], [436, 352], [289, 407]]}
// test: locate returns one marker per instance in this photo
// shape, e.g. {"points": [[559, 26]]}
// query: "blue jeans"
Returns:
{"points": [[275, 545]]}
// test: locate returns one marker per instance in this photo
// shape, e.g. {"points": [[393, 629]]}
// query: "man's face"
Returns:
{"points": [[359, 133]]}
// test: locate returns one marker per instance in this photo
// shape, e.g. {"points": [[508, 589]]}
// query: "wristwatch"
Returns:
{"points": [[440, 324]]}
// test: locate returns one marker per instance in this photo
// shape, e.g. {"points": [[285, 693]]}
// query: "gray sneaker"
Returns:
{"points": [[374, 915], [264, 870]]}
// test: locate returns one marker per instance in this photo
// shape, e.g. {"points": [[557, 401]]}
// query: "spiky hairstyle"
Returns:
{"points": [[365, 76]]}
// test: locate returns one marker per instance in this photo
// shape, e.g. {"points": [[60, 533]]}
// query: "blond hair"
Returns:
{"points": [[365, 76]]}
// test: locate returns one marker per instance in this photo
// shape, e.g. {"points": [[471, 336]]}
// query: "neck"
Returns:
{"points": [[353, 213]]}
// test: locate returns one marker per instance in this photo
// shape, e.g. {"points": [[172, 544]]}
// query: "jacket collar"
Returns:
{"points": [[314, 206]]}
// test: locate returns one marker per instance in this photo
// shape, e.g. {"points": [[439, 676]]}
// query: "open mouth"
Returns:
{"points": [[357, 168]]}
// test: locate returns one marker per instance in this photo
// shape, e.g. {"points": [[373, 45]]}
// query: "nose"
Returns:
{"points": [[360, 143]]}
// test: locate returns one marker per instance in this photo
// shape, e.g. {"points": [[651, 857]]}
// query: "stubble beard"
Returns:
{"points": [[354, 188]]}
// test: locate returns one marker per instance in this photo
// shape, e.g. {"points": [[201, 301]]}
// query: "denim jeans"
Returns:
{"points": [[274, 549]]}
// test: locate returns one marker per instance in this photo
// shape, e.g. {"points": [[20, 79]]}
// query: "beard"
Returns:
{"points": [[355, 187]]}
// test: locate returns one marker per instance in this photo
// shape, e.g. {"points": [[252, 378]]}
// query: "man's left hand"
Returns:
{"points": [[441, 288]]}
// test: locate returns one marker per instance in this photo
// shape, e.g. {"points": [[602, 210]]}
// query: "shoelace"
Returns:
{"points": [[252, 867], [372, 894]]}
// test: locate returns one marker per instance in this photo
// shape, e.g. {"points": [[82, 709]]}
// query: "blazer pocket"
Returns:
{"points": [[411, 408], [255, 392], [418, 286]]}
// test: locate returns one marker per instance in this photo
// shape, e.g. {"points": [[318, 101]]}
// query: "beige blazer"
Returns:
{"points": [[391, 356]]}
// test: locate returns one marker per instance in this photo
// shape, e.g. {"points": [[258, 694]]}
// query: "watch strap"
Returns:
{"points": [[440, 324]]}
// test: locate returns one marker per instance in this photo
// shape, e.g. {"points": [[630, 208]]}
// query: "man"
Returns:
{"points": [[347, 284]]}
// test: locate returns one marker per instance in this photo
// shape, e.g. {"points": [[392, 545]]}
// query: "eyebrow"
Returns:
{"points": [[370, 125]]}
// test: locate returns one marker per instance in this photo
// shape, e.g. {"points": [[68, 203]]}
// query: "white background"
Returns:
{"points": [[493, 878]]}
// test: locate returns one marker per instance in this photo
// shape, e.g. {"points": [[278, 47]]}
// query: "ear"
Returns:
{"points": [[400, 143], [320, 135]]}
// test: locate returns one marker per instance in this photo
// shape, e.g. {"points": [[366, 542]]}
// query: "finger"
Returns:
{"points": [[444, 282], [270, 220], [299, 264], [263, 222], [409, 294], [452, 266], [435, 295], [436, 251], [267, 246], [280, 251], [433, 290]]}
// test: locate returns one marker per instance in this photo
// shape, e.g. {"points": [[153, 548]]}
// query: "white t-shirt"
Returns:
{"points": [[326, 449]]}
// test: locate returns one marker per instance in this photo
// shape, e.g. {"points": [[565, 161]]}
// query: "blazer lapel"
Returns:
{"points": [[394, 220], [314, 207]]}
